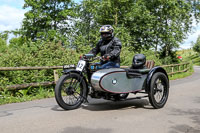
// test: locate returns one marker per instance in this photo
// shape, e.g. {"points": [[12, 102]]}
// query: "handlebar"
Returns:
{"points": [[91, 57]]}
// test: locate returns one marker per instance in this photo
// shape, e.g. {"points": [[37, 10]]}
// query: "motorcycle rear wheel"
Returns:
{"points": [[70, 91], [159, 90]]}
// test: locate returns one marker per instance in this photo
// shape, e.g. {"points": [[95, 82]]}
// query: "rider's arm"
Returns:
{"points": [[95, 50], [116, 48]]}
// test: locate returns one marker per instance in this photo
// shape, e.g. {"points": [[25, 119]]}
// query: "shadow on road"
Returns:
{"points": [[184, 129], [194, 115], [102, 105], [197, 100], [85, 130], [116, 105], [57, 108]]}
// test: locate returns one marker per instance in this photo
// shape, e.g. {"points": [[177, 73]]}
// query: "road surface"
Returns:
{"points": [[181, 114]]}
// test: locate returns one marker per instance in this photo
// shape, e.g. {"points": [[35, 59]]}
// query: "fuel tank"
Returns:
{"points": [[115, 80]]}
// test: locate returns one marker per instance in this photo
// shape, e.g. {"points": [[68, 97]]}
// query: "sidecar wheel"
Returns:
{"points": [[121, 96], [159, 90], [70, 91]]}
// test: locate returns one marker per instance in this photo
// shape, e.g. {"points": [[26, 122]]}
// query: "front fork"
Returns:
{"points": [[82, 78]]}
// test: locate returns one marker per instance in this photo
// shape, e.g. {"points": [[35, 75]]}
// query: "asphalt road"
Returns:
{"points": [[181, 114]]}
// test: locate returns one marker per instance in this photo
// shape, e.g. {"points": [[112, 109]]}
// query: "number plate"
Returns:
{"points": [[69, 66], [81, 65]]}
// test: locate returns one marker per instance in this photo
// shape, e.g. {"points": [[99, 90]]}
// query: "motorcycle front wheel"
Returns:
{"points": [[70, 91]]}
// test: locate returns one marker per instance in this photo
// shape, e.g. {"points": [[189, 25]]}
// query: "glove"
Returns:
{"points": [[82, 57], [106, 57]]}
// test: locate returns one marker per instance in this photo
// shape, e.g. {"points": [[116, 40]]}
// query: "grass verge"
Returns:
{"points": [[7, 97], [183, 74]]}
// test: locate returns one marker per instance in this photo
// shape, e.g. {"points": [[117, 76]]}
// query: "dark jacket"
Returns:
{"points": [[111, 48]]}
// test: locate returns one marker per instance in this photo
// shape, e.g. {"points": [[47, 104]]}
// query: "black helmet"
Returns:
{"points": [[107, 32], [139, 61]]}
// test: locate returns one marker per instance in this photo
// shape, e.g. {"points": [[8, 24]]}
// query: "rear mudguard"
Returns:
{"points": [[150, 75], [68, 71]]}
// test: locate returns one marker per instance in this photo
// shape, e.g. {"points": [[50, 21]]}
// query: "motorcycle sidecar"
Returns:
{"points": [[117, 80], [153, 81]]}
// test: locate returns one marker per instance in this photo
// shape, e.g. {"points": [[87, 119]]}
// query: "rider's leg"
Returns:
{"points": [[110, 65]]}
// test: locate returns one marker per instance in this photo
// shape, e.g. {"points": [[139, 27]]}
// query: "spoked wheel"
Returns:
{"points": [[70, 91], [159, 90], [121, 96]]}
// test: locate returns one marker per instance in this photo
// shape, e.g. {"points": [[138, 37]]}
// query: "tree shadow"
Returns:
{"points": [[197, 100], [5, 113], [194, 115], [184, 129]]}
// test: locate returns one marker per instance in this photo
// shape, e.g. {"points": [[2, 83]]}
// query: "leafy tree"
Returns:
{"points": [[3, 40], [148, 24], [196, 46], [47, 19], [85, 31], [4, 35], [3, 45], [143, 25]]}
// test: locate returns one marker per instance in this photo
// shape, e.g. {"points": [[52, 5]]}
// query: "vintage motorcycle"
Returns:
{"points": [[77, 82]]}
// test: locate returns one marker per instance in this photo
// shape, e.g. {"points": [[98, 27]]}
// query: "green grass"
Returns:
{"points": [[7, 97], [181, 75], [190, 55]]}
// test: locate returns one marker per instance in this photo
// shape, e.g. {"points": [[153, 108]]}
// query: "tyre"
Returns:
{"points": [[159, 90], [70, 91], [121, 96]]}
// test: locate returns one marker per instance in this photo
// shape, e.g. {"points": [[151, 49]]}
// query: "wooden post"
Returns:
{"points": [[56, 77]]}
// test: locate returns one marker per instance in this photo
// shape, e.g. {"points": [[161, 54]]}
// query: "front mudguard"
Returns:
{"points": [[150, 75], [68, 71]]}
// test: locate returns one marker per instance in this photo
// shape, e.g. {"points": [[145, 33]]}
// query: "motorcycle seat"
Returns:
{"points": [[136, 73]]}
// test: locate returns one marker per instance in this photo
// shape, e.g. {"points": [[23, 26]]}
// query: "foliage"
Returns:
{"points": [[183, 75], [195, 58], [3, 45], [149, 23], [47, 19], [4, 35], [37, 54], [22, 95], [189, 55], [141, 24], [196, 46], [3, 39]]}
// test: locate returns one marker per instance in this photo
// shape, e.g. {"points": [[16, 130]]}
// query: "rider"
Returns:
{"points": [[109, 47]]}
